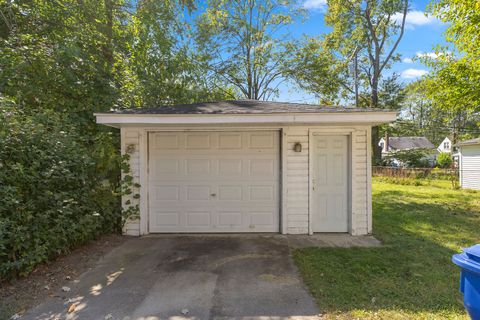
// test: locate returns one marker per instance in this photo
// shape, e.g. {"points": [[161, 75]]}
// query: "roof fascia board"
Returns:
{"points": [[293, 118]]}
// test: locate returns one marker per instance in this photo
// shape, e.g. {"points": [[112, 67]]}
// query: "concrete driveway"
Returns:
{"points": [[187, 277]]}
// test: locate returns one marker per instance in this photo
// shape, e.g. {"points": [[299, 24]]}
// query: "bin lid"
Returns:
{"points": [[469, 259], [473, 252]]}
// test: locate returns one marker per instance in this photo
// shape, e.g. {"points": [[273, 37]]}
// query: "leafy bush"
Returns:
{"points": [[415, 158], [444, 160], [55, 188]]}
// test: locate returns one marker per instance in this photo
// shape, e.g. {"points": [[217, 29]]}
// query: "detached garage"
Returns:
{"points": [[249, 166], [469, 163]]}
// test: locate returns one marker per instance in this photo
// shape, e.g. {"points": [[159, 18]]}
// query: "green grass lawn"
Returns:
{"points": [[411, 276]]}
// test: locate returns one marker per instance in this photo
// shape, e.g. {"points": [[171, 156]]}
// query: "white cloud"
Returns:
{"points": [[407, 60], [433, 55], [413, 73], [429, 55], [315, 4], [415, 18]]}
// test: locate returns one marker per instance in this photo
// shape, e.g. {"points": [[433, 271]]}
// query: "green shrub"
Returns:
{"points": [[444, 160], [58, 188], [414, 158]]}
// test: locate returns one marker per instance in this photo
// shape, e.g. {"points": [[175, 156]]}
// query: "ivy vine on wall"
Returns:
{"points": [[129, 189]]}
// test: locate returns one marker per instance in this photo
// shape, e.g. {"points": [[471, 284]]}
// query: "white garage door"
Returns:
{"points": [[214, 181]]}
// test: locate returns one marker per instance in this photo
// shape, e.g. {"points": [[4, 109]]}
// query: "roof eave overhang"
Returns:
{"points": [[466, 144], [367, 118]]}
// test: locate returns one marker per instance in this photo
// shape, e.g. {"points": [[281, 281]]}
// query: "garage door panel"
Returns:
{"points": [[230, 219], [230, 167], [198, 219], [230, 141], [166, 141], [167, 219], [261, 218], [167, 193], [214, 182], [262, 167], [262, 140], [198, 192], [229, 193], [198, 140], [262, 193], [165, 166], [197, 166]]}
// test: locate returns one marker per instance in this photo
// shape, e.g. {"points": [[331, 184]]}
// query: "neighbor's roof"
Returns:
{"points": [[242, 107], [407, 143], [469, 142]]}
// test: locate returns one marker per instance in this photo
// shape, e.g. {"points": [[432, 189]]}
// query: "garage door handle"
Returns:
{"points": [[213, 194]]}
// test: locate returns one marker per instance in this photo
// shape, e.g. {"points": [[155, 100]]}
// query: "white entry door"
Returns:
{"points": [[330, 184], [214, 181]]}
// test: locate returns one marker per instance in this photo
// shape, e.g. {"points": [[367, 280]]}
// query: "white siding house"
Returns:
{"points": [[445, 146], [249, 166], [469, 164]]}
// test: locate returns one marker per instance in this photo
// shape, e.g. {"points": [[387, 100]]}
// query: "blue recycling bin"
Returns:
{"points": [[469, 261]]}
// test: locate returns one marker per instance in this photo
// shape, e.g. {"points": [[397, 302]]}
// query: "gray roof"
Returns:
{"points": [[469, 142], [242, 107], [407, 143]]}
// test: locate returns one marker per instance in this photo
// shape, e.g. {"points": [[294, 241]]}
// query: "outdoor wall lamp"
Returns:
{"points": [[130, 148], [297, 147]]}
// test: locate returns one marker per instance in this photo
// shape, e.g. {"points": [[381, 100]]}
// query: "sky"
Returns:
{"points": [[421, 35]]}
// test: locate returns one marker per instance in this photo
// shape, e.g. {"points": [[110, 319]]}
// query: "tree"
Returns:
{"points": [[391, 93], [244, 44], [164, 70], [366, 30], [370, 29], [454, 82], [423, 116], [444, 160], [60, 62]]}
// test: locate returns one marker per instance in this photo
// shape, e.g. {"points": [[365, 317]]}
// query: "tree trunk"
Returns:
{"points": [[108, 48], [376, 149]]}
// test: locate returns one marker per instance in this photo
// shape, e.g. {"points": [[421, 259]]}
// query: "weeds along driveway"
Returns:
{"points": [[187, 277]]}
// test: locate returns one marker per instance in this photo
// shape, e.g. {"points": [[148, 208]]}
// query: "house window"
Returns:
{"points": [[446, 145]]}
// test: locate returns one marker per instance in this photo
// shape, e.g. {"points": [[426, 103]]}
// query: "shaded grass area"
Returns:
{"points": [[411, 276]]}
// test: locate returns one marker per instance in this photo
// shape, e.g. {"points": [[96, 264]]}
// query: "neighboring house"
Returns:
{"points": [[396, 144], [249, 166], [469, 163], [445, 146]]}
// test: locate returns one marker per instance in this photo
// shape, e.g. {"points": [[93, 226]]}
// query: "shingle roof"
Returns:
{"points": [[406, 143], [469, 142], [242, 107]]}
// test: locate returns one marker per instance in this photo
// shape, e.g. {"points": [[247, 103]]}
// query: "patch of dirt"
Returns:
{"points": [[19, 295]]}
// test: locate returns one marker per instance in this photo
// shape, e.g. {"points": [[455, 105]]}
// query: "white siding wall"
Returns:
{"points": [[470, 167], [131, 137], [295, 184], [361, 182]]}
